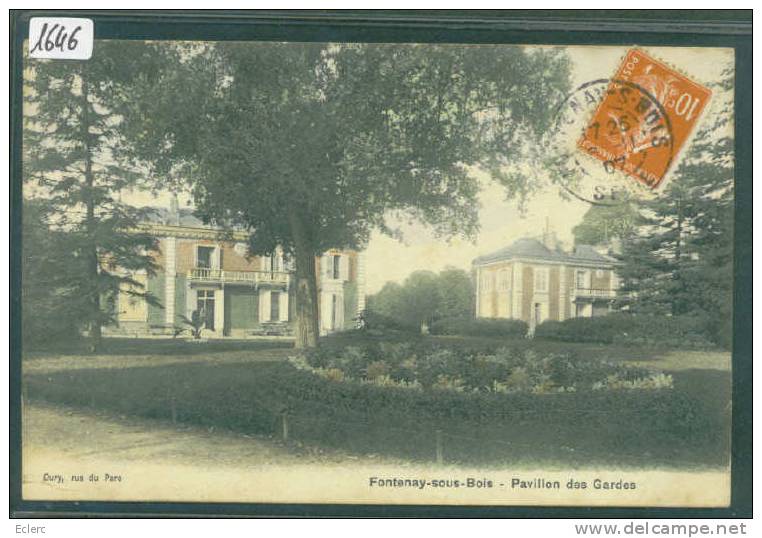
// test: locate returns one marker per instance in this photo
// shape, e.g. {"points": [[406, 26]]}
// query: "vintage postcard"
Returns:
{"points": [[377, 273]]}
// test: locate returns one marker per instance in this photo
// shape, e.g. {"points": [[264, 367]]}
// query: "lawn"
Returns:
{"points": [[154, 352], [159, 346], [132, 352], [247, 386]]}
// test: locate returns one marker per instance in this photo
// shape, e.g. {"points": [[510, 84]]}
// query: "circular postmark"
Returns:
{"points": [[610, 140]]}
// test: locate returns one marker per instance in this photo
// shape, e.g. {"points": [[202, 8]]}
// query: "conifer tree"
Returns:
{"points": [[73, 164], [680, 259]]}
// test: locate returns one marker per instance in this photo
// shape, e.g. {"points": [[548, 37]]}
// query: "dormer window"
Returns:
{"points": [[272, 263]]}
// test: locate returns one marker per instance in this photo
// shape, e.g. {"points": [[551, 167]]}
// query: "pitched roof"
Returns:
{"points": [[522, 248], [588, 254], [530, 248]]}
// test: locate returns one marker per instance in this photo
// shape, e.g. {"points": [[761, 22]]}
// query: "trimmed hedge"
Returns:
{"points": [[379, 322], [509, 328], [617, 427], [630, 329]]}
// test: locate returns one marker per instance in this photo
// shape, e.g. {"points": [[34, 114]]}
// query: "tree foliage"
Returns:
{"points": [[310, 146], [51, 303], [680, 260], [603, 224], [425, 297], [72, 143]]}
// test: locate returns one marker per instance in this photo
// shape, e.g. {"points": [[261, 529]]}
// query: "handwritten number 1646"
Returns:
{"points": [[56, 37]]}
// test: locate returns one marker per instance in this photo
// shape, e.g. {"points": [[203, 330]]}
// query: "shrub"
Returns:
{"points": [[673, 425], [630, 329], [510, 328], [504, 370], [319, 357], [377, 322], [377, 369], [353, 361], [430, 367], [334, 374]]}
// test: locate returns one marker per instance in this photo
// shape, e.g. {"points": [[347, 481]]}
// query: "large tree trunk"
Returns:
{"points": [[306, 326], [93, 266]]}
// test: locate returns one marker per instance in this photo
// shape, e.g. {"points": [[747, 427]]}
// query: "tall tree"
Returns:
{"points": [[72, 152], [51, 305], [425, 297], [679, 260], [423, 300], [602, 224], [309, 146], [457, 291]]}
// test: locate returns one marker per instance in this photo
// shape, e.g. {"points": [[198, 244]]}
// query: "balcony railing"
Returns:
{"points": [[595, 292], [250, 277]]}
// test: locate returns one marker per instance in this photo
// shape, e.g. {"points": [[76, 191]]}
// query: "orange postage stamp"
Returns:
{"points": [[646, 115]]}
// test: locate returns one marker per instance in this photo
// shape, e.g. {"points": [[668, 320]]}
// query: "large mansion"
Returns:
{"points": [[535, 280], [206, 269]]}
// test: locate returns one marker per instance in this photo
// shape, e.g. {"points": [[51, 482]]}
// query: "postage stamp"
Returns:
{"points": [[647, 113]]}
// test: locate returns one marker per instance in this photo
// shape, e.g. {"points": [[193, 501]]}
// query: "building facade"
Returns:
{"points": [[535, 280], [208, 270]]}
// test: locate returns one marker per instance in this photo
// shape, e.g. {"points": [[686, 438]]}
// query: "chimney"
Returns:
{"points": [[615, 246], [174, 211], [549, 237]]}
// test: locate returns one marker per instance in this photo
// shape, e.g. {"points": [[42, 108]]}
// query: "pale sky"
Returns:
{"points": [[501, 222]]}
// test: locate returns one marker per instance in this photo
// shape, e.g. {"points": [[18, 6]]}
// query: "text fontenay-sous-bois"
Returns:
{"points": [[513, 483]]}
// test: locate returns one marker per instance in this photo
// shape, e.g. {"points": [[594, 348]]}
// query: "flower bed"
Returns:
{"points": [[582, 427], [503, 370]]}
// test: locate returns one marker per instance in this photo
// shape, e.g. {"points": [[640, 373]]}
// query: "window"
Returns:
{"points": [[505, 283], [486, 282], [204, 257], [599, 273], [205, 307], [541, 279], [274, 305], [334, 311], [337, 267], [581, 282]]}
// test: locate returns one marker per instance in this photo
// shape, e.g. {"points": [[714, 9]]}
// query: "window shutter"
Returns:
{"points": [[264, 305], [217, 258], [278, 261], [326, 266], [344, 267], [283, 306], [325, 311]]}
